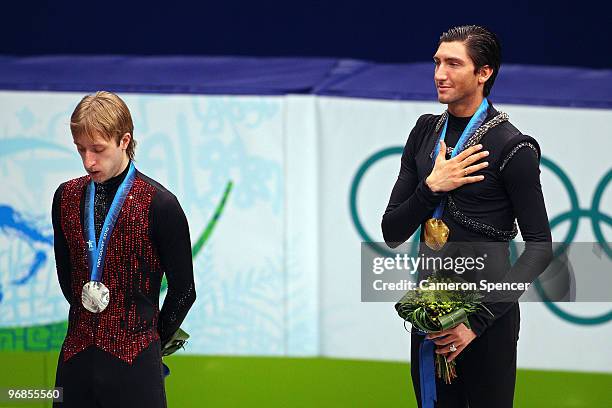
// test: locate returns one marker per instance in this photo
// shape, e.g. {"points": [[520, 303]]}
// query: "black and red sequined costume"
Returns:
{"points": [[113, 357]]}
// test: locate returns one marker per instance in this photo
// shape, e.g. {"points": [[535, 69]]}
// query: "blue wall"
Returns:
{"points": [[547, 33]]}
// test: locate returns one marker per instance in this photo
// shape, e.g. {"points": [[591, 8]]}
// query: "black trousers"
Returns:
{"points": [[96, 379], [486, 368]]}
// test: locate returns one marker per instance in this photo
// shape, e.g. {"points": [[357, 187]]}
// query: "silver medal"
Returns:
{"points": [[95, 296]]}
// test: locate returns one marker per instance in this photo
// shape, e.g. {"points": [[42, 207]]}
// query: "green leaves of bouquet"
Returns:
{"points": [[435, 310]]}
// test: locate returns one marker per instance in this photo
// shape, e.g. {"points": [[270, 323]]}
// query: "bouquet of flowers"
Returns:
{"points": [[177, 341], [433, 310]]}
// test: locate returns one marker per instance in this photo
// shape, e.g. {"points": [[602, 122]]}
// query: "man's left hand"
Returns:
{"points": [[460, 336]]}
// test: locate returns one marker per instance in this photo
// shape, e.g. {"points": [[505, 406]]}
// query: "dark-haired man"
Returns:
{"points": [[466, 176]]}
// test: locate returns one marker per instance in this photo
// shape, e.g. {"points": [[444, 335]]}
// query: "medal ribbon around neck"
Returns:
{"points": [[97, 251], [436, 232]]}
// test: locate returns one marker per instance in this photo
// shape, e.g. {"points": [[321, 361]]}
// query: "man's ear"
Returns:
{"points": [[125, 140], [484, 74]]}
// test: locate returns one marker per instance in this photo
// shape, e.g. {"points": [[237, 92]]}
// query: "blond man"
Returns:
{"points": [[117, 232]]}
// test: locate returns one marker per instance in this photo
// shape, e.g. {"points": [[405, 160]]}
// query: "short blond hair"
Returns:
{"points": [[104, 113]]}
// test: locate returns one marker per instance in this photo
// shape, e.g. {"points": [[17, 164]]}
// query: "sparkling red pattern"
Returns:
{"points": [[132, 272]]}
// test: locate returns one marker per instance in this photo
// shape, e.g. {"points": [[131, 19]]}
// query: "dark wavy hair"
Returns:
{"points": [[482, 45]]}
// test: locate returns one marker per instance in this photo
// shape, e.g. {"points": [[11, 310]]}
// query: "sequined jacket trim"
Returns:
{"points": [[501, 117], [480, 227], [516, 149]]}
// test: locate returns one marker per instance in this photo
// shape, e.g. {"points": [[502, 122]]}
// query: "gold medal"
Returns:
{"points": [[436, 233]]}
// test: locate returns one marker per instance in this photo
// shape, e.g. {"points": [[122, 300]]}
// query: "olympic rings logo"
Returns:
{"points": [[573, 215]]}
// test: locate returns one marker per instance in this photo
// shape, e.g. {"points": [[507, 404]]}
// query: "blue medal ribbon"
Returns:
{"points": [[427, 374], [477, 120], [97, 251]]}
